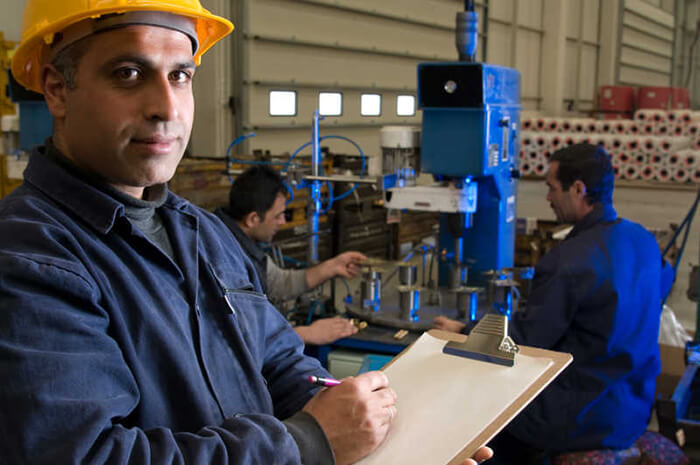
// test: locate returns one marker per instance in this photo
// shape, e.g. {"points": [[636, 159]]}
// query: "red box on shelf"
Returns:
{"points": [[680, 98], [617, 99], [654, 97]]}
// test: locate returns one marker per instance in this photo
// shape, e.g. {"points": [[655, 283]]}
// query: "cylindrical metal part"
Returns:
{"points": [[409, 302], [467, 35], [408, 274], [401, 153], [467, 303], [371, 290], [457, 276], [459, 249]]}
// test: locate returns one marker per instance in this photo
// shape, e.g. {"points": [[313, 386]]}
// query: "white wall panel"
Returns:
{"points": [[500, 44], [642, 77], [571, 65], [590, 13], [634, 56], [528, 55], [582, 52], [646, 44], [530, 13], [588, 71], [11, 19], [502, 10], [287, 62], [310, 22], [349, 46]]}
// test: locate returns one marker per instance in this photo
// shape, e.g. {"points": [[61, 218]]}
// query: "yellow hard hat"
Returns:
{"points": [[43, 19]]}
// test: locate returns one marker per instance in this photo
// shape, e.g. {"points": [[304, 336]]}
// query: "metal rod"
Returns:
{"points": [[315, 192], [357, 179]]}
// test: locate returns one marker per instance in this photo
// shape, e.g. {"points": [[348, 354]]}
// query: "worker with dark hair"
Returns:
{"points": [[254, 215], [597, 296]]}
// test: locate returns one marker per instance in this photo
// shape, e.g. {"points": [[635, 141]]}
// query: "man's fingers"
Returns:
{"points": [[373, 380], [390, 414], [482, 454]]}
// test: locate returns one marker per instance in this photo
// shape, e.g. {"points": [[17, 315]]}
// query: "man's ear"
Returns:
{"points": [[579, 188], [251, 220], [53, 84]]}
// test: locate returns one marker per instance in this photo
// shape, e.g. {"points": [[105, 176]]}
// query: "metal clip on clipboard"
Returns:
{"points": [[488, 341]]}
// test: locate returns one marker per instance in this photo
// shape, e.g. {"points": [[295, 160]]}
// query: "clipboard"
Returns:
{"points": [[449, 406]]}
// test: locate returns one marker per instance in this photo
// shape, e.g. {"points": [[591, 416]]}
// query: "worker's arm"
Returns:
{"points": [[284, 283], [69, 395], [326, 330], [346, 264]]}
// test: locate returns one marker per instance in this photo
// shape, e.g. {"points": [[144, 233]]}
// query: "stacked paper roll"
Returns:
{"points": [[540, 169], [691, 159], [648, 127], [647, 173], [631, 171], [656, 144], [661, 129], [678, 130], [625, 126], [655, 116], [695, 176], [684, 116], [680, 174], [672, 144], [604, 126], [663, 173]]}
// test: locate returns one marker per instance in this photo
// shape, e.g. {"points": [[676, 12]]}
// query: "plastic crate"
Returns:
{"points": [[374, 362]]}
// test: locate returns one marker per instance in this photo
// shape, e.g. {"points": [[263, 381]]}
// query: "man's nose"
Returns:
{"points": [[161, 101]]}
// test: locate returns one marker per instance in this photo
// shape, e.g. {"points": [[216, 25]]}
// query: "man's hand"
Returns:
{"points": [[448, 324], [326, 330], [484, 453], [355, 415], [347, 265]]}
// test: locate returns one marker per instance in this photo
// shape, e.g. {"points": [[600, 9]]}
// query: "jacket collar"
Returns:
{"points": [[85, 197], [601, 213]]}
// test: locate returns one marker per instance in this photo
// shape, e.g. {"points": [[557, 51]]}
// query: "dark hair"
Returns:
{"points": [[254, 190], [591, 165], [67, 60]]}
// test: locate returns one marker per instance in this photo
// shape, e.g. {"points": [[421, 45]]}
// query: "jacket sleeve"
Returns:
{"points": [[284, 284], [67, 391], [550, 306]]}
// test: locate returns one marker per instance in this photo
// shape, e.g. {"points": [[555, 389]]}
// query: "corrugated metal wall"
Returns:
{"points": [[687, 67], [363, 46], [582, 39], [352, 47], [646, 44]]}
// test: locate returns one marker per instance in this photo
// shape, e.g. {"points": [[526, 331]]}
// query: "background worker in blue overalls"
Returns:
{"points": [[598, 296]]}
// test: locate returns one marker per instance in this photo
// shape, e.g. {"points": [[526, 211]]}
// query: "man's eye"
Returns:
{"points": [[180, 76], [127, 74]]}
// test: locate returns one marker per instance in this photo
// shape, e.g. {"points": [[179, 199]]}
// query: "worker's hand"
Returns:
{"points": [[326, 330], [480, 455], [347, 264], [448, 324], [355, 415]]}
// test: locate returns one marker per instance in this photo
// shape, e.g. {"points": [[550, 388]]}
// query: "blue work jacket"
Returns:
{"points": [[596, 296], [111, 352]]}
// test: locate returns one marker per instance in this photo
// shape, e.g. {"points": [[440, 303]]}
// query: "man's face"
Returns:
{"points": [[564, 203], [267, 227], [129, 117]]}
